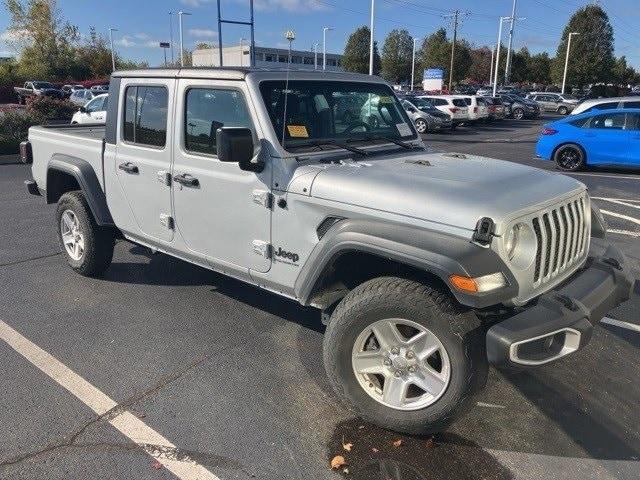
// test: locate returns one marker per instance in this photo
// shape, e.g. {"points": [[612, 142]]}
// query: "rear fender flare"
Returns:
{"points": [[85, 176]]}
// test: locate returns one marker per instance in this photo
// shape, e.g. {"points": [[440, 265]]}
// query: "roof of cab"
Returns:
{"points": [[240, 73]]}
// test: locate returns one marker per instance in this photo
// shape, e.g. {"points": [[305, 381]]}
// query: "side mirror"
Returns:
{"points": [[235, 144], [83, 109]]}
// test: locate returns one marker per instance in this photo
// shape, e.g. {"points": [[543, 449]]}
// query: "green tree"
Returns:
{"points": [[397, 53], [520, 63], [435, 51], [591, 57], [356, 52], [623, 74], [93, 57], [480, 68], [540, 68], [46, 41]]}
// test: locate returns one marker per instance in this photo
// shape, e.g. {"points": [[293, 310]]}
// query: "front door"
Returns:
{"points": [[144, 155], [218, 208], [606, 140]]}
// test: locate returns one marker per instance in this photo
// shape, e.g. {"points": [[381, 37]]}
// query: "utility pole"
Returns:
{"points": [[453, 46], [180, 14], [371, 41], [113, 55], [171, 35], [507, 68], [413, 62], [242, 52], [495, 78], [493, 51], [566, 60]]}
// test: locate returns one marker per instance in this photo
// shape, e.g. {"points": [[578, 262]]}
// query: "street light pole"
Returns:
{"points": [[566, 60], [507, 68], [413, 62], [242, 52], [171, 35], [493, 51], [113, 55], [371, 28], [495, 78], [324, 47], [315, 55], [180, 14]]}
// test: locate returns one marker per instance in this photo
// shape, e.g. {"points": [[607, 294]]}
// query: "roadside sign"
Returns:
{"points": [[432, 79], [165, 45]]}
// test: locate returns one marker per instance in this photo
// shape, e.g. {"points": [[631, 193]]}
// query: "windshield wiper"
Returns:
{"points": [[333, 143], [401, 143]]}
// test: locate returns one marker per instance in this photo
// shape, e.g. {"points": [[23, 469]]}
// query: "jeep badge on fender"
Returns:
{"points": [[294, 257]]}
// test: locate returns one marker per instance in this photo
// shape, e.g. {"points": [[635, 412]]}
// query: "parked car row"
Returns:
{"points": [[76, 93]]}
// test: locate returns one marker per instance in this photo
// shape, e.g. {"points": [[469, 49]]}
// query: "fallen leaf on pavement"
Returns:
{"points": [[375, 450], [337, 462], [397, 443], [346, 471], [157, 465], [430, 443], [347, 446]]}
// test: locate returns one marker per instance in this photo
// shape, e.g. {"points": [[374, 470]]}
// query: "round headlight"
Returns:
{"points": [[520, 245]]}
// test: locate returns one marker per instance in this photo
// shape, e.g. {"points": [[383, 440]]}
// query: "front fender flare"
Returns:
{"points": [[436, 252], [87, 179]]}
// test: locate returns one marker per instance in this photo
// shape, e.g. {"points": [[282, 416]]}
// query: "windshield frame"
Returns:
{"points": [[354, 140]]}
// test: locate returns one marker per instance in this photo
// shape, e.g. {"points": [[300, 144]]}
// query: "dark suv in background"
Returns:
{"points": [[520, 107]]}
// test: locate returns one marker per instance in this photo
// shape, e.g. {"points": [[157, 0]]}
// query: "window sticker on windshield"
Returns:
{"points": [[404, 130], [298, 131], [386, 100]]}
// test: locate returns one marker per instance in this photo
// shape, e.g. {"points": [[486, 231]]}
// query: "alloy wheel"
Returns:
{"points": [[401, 364], [72, 236]]}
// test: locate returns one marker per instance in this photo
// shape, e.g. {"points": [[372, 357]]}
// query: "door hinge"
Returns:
{"points": [[263, 197], [262, 248], [166, 220], [164, 177]]}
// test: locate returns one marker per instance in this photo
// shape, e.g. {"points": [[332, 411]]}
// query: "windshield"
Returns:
{"points": [[421, 103], [569, 97], [41, 85], [314, 112]]}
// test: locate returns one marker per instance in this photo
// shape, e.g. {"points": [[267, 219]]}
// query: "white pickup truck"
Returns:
{"points": [[407, 254]]}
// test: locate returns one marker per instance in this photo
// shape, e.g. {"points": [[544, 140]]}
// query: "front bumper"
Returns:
{"points": [[561, 321]]}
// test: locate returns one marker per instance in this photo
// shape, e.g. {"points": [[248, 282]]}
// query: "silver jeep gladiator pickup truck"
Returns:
{"points": [[427, 267]]}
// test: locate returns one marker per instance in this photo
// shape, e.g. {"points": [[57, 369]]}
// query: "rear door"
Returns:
{"points": [[605, 138], [143, 158], [633, 125], [221, 212]]}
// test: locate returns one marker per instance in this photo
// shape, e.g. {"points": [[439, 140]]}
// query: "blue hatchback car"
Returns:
{"points": [[598, 138]]}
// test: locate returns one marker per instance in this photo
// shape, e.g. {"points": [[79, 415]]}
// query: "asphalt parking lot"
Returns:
{"points": [[212, 378]]}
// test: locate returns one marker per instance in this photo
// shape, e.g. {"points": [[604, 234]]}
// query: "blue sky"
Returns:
{"points": [[142, 24]]}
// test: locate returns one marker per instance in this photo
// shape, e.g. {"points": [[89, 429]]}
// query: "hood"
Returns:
{"points": [[451, 189]]}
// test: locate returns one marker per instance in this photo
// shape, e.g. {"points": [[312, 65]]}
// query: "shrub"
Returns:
{"points": [[51, 109], [14, 127]]}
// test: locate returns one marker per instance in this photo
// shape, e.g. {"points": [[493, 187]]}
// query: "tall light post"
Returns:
{"points": [[507, 67], [290, 36], [493, 51], [180, 14], [315, 55], [413, 61], [113, 55], [495, 78], [241, 51], [371, 41], [566, 60], [171, 35], [324, 47]]}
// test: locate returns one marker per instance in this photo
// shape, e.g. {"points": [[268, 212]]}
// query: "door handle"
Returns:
{"points": [[186, 180], [128, 167]]}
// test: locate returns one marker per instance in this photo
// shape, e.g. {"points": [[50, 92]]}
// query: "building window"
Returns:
{"points": [[269, 58], [308, 61], [282, 58]]}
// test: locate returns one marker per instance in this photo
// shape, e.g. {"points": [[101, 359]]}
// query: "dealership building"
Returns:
{"points": [[234, 56]]}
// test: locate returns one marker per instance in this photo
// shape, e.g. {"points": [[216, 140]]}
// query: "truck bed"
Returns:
{"points": [[80, 141]]}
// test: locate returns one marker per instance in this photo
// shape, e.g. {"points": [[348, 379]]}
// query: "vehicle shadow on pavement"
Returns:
{"points": [[593, 421], [377, 454]]}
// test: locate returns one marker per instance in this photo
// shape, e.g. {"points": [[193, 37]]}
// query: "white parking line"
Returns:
{"points": [[629, 233], [619, 215], [616, 199], [619, 202], [154, 444], [621, 324]]}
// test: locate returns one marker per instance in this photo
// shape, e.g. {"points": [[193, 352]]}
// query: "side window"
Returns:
{"points": [[633, 121], [145, 115], [209, 109], [95, 105], [605, 106], [614, 121], [631, 105]]}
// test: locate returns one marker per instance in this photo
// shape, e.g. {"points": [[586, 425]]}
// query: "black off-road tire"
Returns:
{"points": [[459, 330], [99, 241]]}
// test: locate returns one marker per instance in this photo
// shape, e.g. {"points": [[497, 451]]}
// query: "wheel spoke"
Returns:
{"points": [[76, 250], [423, 345], [429, 380], [387, 334], [68, 238], [394, 391], [368, 362]]}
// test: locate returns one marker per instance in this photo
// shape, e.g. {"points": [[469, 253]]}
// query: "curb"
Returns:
{"points": [[11, 159]]}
